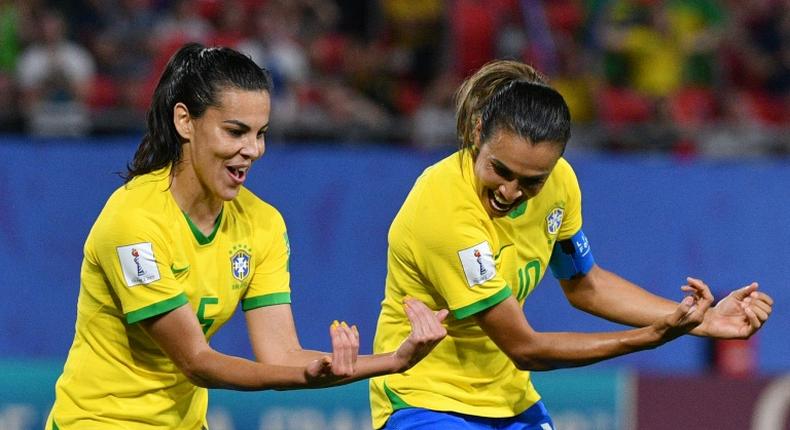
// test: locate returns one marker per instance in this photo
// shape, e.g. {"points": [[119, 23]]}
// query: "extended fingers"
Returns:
{"points": [[345, 347]]}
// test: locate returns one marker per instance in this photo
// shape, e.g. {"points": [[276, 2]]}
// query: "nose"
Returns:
{"points": [[510, 190], [253, 148]]}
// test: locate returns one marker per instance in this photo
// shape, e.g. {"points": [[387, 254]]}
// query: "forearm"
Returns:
{"points": [[507, 326], [212, 369], [547, 351], [609, 296]]}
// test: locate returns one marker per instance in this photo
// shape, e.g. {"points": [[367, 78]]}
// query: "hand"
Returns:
{"points": [[345, 349], [737, 316], [690, 312], [426, 332]]}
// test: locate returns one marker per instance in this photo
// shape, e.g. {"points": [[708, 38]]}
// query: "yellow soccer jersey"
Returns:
{"points": [[143, 257], [445, 250]]}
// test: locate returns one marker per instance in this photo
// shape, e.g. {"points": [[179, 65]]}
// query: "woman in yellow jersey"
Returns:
{"points": [[177, 248], [476, 234]]}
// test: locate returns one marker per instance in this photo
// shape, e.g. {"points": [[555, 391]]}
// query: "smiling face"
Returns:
{"points": [[510, 170], [221, 145]]}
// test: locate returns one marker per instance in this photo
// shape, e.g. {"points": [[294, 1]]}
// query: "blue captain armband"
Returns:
{"points": [[571, 257]]}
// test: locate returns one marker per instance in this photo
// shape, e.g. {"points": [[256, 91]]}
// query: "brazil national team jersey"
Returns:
{"points": [[445, 250], [143, 257]]}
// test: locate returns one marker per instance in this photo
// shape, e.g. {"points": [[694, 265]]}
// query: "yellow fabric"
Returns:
{"points": [[442, 216], [115, 375]]}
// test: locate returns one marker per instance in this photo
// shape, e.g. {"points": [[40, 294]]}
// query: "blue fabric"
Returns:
{"points": [[571, 257], [534, 418]]}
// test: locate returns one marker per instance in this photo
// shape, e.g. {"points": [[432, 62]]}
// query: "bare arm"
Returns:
{"points": [[282, 364], [507, 326], [181, 338], [275, 341], [607, 295], [614, 298]]}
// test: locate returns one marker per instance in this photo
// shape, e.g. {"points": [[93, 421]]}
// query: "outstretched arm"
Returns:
{"points": [[610, 296], [179, 335], [181, 338], [507, 326]]}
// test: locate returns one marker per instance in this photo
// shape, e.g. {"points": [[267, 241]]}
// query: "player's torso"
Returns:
{"points": [[214, 271], [525, 239]]}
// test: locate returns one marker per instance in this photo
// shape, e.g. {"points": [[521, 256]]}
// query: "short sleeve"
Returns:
{"points": [[270, 284], [457, 252], [572, 219], [135, 256]]}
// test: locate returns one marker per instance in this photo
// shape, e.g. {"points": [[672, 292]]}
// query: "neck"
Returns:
{"points": [[200, 205]]}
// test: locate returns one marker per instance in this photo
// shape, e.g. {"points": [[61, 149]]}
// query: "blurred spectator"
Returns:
{"points": [[681, 76], [183, 23], [757, 58], [54, 75], [10, 46], [433, 125]]}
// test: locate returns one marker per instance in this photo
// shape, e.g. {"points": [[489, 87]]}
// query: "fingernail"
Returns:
{"points": [[335, 324], [354, 327], [343, 324]]}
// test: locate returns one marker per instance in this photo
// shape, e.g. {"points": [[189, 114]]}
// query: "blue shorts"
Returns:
{"points": [[534, 418]]}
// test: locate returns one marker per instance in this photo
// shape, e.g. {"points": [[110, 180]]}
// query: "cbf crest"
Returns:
{"points": [[240, 262], [554, 220]]}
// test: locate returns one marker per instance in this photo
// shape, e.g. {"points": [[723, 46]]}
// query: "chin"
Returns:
{"points": [[229, 194]]}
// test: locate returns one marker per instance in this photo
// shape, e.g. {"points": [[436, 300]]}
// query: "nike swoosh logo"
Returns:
{"points": [[496, 257], [178, 270]]}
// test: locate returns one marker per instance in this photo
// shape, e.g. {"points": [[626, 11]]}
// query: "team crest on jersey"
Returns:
{"points": [[554, 220], [240, 264]]}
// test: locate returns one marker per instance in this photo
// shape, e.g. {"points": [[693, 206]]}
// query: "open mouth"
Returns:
{"points": [[499, 204], [238, 173]]}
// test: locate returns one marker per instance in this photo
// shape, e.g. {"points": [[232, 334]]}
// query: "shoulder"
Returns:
{"points": [[443, 204], [252, 209], [445, 186], [564, 170], [137, 207], [563, 178]]}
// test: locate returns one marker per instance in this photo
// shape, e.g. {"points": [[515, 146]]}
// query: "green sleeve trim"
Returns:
{"points": [[395, 400], [486, 303], [267, 300], [55, 426], [157, 308]]}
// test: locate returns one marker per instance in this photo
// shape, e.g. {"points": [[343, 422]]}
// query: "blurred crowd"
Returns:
{"points": [[683, 76]]}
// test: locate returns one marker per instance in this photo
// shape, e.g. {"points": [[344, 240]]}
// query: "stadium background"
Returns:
{"points": [[680, 144]]}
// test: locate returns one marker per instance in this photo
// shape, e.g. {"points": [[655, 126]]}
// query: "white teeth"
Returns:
{"points": [[242, 170], [500, 200]]}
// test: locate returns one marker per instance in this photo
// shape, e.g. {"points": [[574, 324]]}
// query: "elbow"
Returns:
{"points": [[196, 369], [531, 359], [532, 364]]}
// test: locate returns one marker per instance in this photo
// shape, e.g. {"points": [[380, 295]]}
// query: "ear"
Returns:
{"points": [[183, 121]]}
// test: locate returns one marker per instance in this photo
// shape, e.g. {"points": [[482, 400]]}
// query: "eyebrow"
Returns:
{"points": [[244, 127]]}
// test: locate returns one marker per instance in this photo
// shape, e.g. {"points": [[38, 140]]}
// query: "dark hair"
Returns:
{"points": [[195, 75], [510, 95]]}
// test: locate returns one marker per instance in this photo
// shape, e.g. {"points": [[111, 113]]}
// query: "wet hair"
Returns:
{"points": [[194, 76], [511, 96]]}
